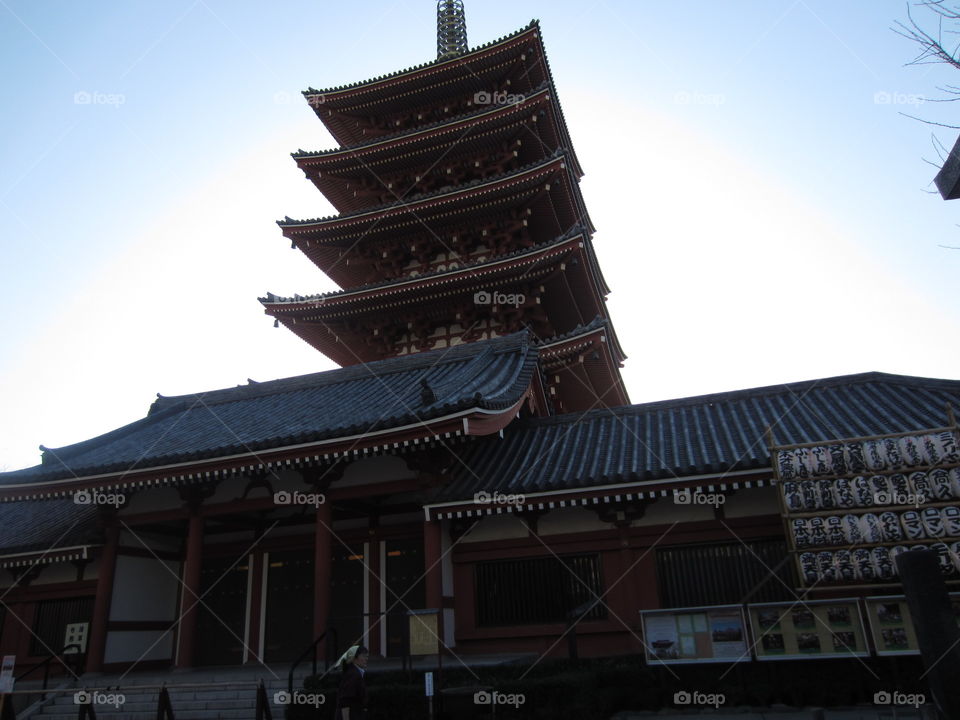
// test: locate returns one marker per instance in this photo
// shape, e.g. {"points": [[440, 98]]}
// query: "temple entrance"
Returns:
{"points": [[406, 588], [347, 594], [289, 610], [220, 631]]}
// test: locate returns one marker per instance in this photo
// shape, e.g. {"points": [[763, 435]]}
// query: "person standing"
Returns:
{"points": [[352, 694]]}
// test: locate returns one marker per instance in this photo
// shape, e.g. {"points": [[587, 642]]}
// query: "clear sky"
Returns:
{"points": [[763, 208]]}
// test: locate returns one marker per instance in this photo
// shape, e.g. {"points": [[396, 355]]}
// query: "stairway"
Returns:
{"points": [[202, 694]]}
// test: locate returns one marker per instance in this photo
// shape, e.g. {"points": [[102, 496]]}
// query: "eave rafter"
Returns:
{"points": [[431, 433]]}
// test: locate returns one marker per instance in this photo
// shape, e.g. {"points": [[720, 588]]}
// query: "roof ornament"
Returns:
{"points": [[451, 29], [427, 394]]}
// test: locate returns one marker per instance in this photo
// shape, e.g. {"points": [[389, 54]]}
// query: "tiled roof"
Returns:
{"points": [[710, 434], [387, 137], [488, 374], [418, 197], [41, 525], [438, 61], [599, 321], [573, 232]]}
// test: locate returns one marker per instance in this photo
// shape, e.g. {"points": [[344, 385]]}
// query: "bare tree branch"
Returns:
{"points": [[932, 48], [930, 122]]}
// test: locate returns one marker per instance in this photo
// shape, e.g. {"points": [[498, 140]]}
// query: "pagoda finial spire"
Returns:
{"points": [[451, 29]]}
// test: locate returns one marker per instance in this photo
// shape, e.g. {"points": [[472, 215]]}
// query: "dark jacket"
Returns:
{"points": [[352, 694]]}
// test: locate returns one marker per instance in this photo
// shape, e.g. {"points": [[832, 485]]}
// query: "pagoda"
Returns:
{"points": [[460, 219]]}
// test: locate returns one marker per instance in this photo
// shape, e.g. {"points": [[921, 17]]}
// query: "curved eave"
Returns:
{"points": [[342, 93], [293, 228], [338, 157], [356, 96], [472, 421], [569, 353], [331, 326], [553, 252], [340, 174], [550, 180]]}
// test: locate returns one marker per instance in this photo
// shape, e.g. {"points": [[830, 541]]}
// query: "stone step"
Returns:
{"points": [[105, 714], [204, 694]]}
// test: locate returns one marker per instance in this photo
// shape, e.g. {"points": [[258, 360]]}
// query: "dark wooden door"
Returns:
{"points": [[289, 611], [223, 588], [346, 594]]}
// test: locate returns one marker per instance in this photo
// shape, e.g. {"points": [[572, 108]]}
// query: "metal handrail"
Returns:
{"points": [[164, 706], [263, 704], [45, 664], [312, 648]]}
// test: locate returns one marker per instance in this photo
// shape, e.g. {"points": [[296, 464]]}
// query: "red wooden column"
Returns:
{"points": [[101, 603], [322, 559], [190, 598], [629, 574], [432, 564], [645, 574]]}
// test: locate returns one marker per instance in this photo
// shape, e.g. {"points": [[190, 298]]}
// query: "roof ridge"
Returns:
{"points": [[764, 390], [438, 61], [58, 459], [350, 373]]}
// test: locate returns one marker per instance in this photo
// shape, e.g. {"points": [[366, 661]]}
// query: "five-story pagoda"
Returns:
{"points": [[460, 218]]}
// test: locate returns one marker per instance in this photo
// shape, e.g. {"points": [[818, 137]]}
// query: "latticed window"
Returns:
{"points": [[755, 571], [537, 590]]}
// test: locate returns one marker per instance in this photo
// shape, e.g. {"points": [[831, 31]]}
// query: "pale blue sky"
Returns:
{"points": [[759, 199]]}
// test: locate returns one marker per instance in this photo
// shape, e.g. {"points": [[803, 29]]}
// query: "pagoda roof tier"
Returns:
{"points": [[574, 232], [559, 347], [548, 183], [582, 367], [529, 128], [472, 389], [520, 58], [558, 281]]}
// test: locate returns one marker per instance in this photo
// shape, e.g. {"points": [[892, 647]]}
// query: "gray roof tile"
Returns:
{"points": [[490, 374], [710, 434]]}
